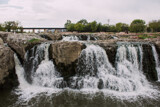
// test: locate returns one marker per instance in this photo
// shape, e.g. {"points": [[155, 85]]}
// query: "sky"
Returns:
{"points": [[54, 13]]}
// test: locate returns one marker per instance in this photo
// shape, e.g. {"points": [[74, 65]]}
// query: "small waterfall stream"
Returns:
{"points": [[156, 57], [78, 38]]}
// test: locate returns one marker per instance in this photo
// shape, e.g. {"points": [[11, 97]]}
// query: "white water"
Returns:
{"points": [[124, 80], [126, 77], [156, 57], [44, 78], [76, 38], [46, 75], [70, 38]]}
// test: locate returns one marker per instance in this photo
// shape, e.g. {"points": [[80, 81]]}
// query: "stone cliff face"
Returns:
{"points": [[8, 78]]}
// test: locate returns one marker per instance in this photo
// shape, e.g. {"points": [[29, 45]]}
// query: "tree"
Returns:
{"points": [[70, 27], [112, 28], [83, 22], [119, 27], [122, 27], [137, 25], [67, 23], [94, 26], [79, 27], [99, 27], [105, 28], [2, 27], [155, 25], [11, 26]]}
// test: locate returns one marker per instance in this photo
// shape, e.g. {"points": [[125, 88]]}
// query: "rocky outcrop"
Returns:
{"points": [[51, 36], [8, 78], [66, 52], [20, 43], [65, 56], [1, 41]]}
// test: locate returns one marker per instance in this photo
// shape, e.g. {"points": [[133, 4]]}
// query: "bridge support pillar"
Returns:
{"points": [[33, 30]]}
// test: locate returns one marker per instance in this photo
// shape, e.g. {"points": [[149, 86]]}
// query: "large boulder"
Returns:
{"points": [[20, 43], [66, 52], [8, 77], [65, 56]]}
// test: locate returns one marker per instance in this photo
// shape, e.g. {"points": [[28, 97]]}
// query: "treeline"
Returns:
{"points": [[10, 26], [136, 25]]}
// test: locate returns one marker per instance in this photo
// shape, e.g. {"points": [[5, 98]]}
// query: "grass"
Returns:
{"points": [[33, 40], [145, 36]]}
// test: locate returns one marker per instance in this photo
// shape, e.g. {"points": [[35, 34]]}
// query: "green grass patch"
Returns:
{"points": [[145, 36], [33, 40]]}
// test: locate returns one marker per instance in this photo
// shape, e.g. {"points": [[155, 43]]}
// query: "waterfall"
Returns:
{"points": [[79, 38], [70, 38], [156, 57], [94, 73], [95, 70], [43, 72]]}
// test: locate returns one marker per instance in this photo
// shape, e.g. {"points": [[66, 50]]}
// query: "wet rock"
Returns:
{"points": [[8, 78], [149, 65]]}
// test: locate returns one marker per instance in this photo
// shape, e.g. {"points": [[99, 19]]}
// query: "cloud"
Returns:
{"points": [[54, 13], [4, 1]]}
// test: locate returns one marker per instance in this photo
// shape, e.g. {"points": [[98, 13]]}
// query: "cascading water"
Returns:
{"points": [[44, 79], [70, 38], [94, 73], [95, 70], [156, 57], [78, 38]]}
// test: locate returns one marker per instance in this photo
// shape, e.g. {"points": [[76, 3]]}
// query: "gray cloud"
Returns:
{"points": [[4, 1], [55, 12]]}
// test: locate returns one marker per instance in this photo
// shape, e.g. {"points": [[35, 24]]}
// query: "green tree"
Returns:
{"points": [[137, 25], [112, 28], [105, 28], [94, 26], [11, 26], [83, 22], [122, 27], [79, 27], [99, 27], [71, 27], [2, 27], [67, 23], [155, 25], [119, 27]]}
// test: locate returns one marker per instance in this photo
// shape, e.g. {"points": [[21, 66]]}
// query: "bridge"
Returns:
{"points": [[40, 29]]}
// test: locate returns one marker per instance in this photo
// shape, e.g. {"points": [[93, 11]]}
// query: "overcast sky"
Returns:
{"points": [[54, 13]]}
